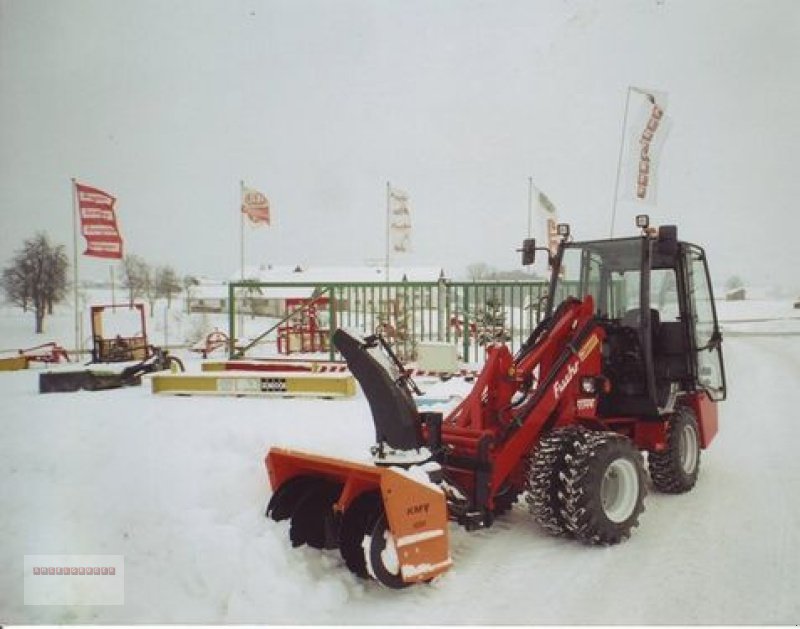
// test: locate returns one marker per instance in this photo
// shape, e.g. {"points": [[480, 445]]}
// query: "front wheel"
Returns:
{"points": [[603, 489], [675, 470]]}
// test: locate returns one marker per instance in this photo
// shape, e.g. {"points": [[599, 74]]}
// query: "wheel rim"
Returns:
{"points": [[619, 491], [688, 449]]}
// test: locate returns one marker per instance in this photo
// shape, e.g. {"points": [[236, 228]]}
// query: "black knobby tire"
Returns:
{"points": [[603, 488], [545, 476], [675, 470]]}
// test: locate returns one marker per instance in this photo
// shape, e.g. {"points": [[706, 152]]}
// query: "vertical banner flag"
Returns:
{"points": [[98, 222], [549, 211], [256, 206], [400, 221], [646, 135]]}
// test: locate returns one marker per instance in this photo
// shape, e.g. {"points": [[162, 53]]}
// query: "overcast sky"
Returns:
{"points": [[169, 104]]}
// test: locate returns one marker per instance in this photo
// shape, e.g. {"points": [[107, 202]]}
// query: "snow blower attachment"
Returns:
{"points": [[389, 520], [630, 360]]}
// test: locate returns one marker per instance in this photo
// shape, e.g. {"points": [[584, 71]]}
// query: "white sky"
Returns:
{"points": [[169, 104]]}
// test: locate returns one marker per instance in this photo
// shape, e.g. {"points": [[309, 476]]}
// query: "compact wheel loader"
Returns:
{"points": [[625, 365]]}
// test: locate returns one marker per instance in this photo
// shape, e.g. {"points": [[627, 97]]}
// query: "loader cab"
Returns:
{"points": [[653, 297]]}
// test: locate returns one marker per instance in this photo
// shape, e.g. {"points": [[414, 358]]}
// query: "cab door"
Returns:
{"points": [[703, 325]]}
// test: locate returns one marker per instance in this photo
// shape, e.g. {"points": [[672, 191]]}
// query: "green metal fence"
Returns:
{"points": [[466, 314]]}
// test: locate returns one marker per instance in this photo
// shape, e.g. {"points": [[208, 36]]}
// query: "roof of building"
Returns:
{"points": [[316, 275], [344, 274]]}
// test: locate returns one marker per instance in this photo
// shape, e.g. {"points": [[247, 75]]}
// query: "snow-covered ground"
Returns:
{"points": [[177, 486]]}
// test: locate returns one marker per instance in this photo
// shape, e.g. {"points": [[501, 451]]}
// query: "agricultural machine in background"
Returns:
{"points": [[627, 359], [113, 345]]}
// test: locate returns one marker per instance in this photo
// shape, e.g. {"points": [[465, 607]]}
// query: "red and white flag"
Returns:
{"points": [[256, 206], [98, 222], [647, 131]]}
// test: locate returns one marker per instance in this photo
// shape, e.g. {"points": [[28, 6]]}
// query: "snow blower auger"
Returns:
{"points": [[629, 361]]}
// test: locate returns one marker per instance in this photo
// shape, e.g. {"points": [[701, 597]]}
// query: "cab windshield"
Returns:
{"points": [[609, 271]]}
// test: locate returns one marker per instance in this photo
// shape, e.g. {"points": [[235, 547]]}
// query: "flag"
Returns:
{"points": [[549, 212], [399, 221], [256, 206], [98, 222], [647, 133]]}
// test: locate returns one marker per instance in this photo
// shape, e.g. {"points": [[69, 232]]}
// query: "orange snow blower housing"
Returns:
{"points": [[629, 361]]}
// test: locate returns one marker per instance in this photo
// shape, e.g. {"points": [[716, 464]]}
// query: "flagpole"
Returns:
{"points": [[619, 160], [530, 206], [113, 291], [241, 227], [74, 193], [388, 225], [241, 250]]}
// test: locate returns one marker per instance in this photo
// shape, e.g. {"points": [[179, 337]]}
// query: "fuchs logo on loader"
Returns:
{"points": [[560, 385], [572, 369]]}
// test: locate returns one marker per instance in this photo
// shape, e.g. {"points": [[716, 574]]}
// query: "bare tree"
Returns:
{"points": [[480, 271], [167, 283], [135, 277], [189, 282], [37, 277], [15, 287]]}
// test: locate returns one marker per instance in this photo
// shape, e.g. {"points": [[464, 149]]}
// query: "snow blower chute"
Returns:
{"points": [[630, 360]]}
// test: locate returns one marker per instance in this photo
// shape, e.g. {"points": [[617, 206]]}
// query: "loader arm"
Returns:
{"points": [[554, 399], [514, 400]]}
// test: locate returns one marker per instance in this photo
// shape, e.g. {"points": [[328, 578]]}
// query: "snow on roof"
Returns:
{"points": [[346, 274], [296, 274]]}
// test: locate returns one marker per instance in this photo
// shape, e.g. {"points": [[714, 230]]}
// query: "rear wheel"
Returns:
{"points": [[603, 488], [675, 470]]}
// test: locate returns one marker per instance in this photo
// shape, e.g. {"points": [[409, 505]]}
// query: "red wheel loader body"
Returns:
{"points": [[629, 360]]}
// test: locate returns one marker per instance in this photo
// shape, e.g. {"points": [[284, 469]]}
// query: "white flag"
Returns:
{"points": [[646, 133], [399, 221], [548, 211]]}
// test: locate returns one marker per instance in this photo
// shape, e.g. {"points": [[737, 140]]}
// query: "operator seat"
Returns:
{"points": [[627, 368], [633, 319]]}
